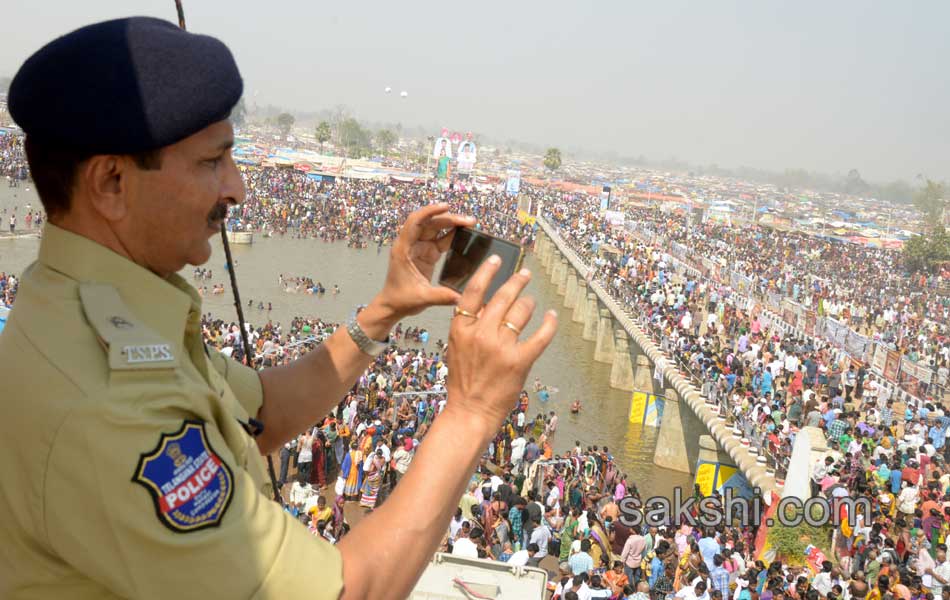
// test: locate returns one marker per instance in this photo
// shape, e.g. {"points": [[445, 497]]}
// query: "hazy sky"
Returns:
{"points": [[820, 85]]}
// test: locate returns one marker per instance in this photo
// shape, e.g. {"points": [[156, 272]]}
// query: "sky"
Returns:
{"points": [[824, 86]]}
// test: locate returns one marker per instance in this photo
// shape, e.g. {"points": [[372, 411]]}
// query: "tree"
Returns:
{"points": [[354, 138], [323, 133], [285, 121], [895, 191], [854, 184], [385, 139], [930, 200], [552, 159], [926, 252]]}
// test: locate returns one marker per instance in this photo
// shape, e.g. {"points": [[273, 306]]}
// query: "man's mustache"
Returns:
{"points": [[218, 213]]}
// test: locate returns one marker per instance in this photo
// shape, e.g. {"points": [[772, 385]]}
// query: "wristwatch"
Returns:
{"points": [[365, 343]]}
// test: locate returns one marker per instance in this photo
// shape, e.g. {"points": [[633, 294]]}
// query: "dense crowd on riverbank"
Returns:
{"points": [[866, 288], [362, 212], [13, 165], [770, 384], [529, 506]]}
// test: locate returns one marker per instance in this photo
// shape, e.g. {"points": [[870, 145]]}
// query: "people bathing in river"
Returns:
{"points": [[216, 289], [412, 334], [295, 285]]}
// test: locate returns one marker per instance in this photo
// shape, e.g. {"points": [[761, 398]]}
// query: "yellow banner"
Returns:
{"points": [[706, 478], [638, 407]]}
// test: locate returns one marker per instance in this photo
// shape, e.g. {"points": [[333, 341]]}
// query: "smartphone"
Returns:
{"points": [[469, 249]]}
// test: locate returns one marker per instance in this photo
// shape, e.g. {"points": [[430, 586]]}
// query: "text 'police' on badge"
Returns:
{"points": [[190, 484]]}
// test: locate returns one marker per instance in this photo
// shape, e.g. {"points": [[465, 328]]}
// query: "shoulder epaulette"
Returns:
{"points": [[131, 345]]}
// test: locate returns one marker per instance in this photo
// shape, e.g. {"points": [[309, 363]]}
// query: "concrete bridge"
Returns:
{"points": [[637, 363]]}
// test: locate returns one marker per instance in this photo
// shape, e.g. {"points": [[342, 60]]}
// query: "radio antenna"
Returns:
{"points": [[248, 357]]}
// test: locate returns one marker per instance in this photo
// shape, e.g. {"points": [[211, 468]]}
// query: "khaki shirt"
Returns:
{"points": [[126, 469]]}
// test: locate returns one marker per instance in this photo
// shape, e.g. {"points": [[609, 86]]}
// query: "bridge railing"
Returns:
{"points": [[759, 472]]}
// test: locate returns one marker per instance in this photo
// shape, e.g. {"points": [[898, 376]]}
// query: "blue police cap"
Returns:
{"points": [[124, 86]]}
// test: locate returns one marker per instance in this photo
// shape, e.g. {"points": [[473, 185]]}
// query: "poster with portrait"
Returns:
{"points": [[513, 184], [892, 365], [442, 147], [467, 156]]}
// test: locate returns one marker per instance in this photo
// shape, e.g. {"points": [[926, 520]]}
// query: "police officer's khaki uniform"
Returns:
{"points": [[126, 469]]}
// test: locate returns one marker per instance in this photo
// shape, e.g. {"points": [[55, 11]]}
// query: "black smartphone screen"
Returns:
{"points": [[469, 250]]}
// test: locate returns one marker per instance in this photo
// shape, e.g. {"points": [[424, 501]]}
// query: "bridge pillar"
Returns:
{"points": [[621, 371], [562, 272], [545, 251], [604, 348], [580, 309], [571, 289], [671, 450], [643, 374], [556, 266], [708, 449], [590, 318]]}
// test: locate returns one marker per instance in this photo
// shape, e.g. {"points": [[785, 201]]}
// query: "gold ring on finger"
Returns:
{"points": [[511, 326], [465, 313]]}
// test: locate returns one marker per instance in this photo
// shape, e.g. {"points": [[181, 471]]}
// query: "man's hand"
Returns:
{"points": [[408, 289], [487, 363]]}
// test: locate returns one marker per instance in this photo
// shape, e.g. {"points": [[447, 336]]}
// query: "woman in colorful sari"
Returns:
{"points": [[366, 443], [373, 480], [352, 472], [568, 533], [321, 512], [501, 456], [539, 424], [882, 474], [598, 534], [318, 475], [339, 520]]}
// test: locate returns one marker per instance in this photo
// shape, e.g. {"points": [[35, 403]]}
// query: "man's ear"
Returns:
{"points": [[104, 180]]}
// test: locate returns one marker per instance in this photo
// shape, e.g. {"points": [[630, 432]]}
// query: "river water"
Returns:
{"points": [[567, 364]]}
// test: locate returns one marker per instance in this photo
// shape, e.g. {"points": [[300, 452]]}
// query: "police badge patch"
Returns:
{"points": [[189, 483]]}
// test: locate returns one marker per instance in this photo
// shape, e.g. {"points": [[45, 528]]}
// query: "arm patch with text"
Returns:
{"points": [[190, 484]]}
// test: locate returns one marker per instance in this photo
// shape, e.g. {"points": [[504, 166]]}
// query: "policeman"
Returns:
{"points": [[128, 464]]}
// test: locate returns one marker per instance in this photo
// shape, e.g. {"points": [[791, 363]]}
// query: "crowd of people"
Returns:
{"points": [[527, 505], [361, 212], [864, 287], [13, 165], [771, 384], [8, 288]]}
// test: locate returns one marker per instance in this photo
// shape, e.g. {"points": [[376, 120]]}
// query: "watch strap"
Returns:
{"points": [[365, 343]]}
